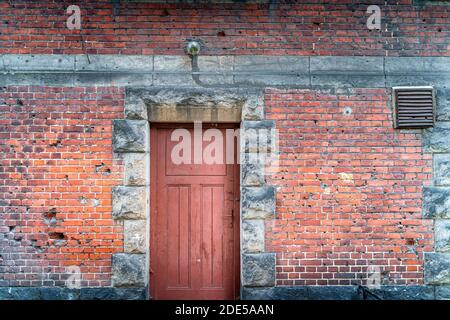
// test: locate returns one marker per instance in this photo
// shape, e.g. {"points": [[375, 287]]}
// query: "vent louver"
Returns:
{"points": [[414, 107]]}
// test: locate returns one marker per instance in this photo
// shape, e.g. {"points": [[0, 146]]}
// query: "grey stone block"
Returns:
{"points": [[436, 202], [271, 64], [442, 104], [173, 70], [258, 202], [253, 234], [135, 169], [172, 64], [113, 79], [348, 80], [114, 63], [339, 64], [258, 270], [131, 136], [441, 169], [135, 239], [58, 293], [48, 293], [179, 80], [134, 107], [253, 108], [253, 169], [442, 292], [411, 65], [109, 293], [409, 292], [275, 293], [302, 293], [258, 137], [442, 235], [38, 62], [264, 80], [190, 104], [271, 70], [17, 293], [128, 270], [437, 139], [437, 268], [333, 293], [41, 293], [419, 79], [129, 203], [47, 79], [223, 64]]}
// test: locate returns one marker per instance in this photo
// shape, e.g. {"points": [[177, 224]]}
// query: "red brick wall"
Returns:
{"points": [[350, 190], [56, 174], [349, 187], [336, 27]]}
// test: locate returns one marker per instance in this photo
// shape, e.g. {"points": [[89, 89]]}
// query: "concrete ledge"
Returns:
{"points": [[347, 65], [338, 293], [223, 71], [416, 65], [54, 293]]}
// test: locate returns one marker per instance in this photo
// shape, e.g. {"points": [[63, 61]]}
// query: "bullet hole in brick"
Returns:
{"points": [[83, 200], [66, 177], [19, 102], [410, 242], [11, 228], [439, 30], [221, 34], [57, 235], [95, 202], [55, 144], [50, 217], [99, 167], [347, 111], [35, 244]]}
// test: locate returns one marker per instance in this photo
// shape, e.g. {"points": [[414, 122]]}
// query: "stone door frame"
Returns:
{"points": [[131, 199]]}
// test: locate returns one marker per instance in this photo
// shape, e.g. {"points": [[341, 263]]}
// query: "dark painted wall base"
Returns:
{"points": [[346, 293], [273, 293], [46, 293]]}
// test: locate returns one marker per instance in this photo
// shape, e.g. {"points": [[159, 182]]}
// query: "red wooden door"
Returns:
{"points": [[194, 250]]}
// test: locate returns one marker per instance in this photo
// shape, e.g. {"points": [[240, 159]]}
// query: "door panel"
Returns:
{"points": [[194, 233]]}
